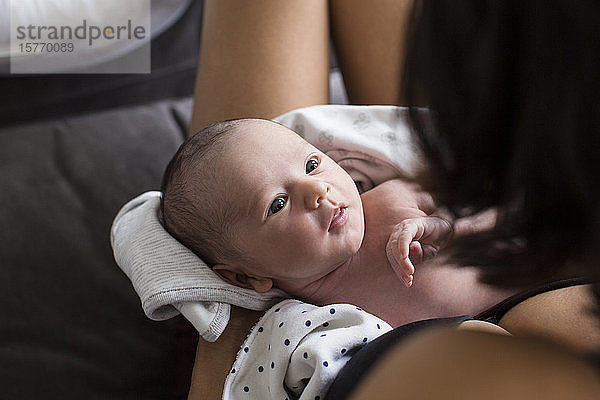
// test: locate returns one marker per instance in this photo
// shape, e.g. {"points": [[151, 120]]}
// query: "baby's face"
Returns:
{"points": [[302, 215]]}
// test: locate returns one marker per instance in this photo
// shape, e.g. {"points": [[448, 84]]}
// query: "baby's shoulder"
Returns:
{"points": [[397, 192], [394, 200]]}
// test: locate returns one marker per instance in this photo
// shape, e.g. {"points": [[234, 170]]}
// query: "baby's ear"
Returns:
{"points": [[230, 275]]}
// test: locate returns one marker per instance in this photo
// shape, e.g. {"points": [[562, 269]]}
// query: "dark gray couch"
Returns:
{"points": [[71, 325]]}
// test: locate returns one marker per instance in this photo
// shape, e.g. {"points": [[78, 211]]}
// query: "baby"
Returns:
{"points": [[265, 208]]}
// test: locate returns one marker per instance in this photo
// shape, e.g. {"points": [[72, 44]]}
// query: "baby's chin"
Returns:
{"points": [[357, 236]]}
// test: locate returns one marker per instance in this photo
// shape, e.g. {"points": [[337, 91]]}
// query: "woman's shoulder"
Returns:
{"points": [[563, 314]]}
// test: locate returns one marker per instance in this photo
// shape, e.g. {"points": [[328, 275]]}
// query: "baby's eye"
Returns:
{"points": [[277, 205], [312, 164]]}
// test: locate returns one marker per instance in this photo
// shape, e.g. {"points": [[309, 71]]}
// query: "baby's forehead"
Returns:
{"points": [[260, 155]]}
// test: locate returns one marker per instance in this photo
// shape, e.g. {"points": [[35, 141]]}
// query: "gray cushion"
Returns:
{"points": [[71, 324]]}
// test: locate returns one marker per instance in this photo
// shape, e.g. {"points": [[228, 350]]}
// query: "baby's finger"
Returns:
{"points": [[405, 235], [416, 254], [390, 252], [408, 280], [402, 267], [406, 272]]}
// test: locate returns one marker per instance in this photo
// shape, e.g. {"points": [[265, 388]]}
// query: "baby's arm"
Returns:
{"points": [[415, 240]]}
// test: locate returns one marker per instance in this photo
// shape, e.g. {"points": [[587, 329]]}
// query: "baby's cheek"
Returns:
{"points": [[296, 244]]}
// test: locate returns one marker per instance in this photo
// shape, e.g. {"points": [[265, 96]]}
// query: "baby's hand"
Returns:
{"points": [[413, 241]]}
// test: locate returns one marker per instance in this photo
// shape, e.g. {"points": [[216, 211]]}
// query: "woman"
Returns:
{"points": [[268, 57], [515, 100]]}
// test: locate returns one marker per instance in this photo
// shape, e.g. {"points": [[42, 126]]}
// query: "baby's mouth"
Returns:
{"points": [[339, 218]]}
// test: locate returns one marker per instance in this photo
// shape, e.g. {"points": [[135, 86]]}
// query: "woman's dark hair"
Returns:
{"points": [[513, 92]]}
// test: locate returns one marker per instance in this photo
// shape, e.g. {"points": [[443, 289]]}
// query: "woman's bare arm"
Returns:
{"points": [[260, 59], [214, 360]]}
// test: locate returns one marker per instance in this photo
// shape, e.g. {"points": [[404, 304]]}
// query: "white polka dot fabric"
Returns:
{"points": [[372, 143], [296, 350]]}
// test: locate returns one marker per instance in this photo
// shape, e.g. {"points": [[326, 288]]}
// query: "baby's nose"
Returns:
{"points": [[316, 192]]}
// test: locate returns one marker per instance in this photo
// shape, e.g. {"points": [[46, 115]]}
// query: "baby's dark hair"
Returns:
{"points": [[194, 203]]}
